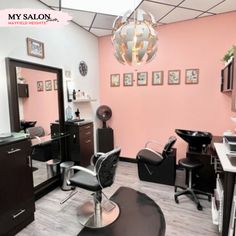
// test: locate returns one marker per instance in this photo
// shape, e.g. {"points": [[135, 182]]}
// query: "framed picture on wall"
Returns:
{"points": [[55, 84], [191, 76], [128, 79], [157, 78], [48, 85], [174, 77], [39, 86], [115, 80], [35, 48], [142, 78]]}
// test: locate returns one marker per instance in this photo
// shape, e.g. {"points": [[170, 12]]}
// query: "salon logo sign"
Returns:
{"points": [[33, 18]]}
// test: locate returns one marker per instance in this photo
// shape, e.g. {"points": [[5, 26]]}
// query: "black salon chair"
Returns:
{"points": [[35, 132], [43, 150], [157, 166], [190, 166], [94, 178], [24, 125]]}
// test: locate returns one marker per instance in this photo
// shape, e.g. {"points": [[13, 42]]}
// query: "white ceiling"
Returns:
{"points": [[97, 17]]}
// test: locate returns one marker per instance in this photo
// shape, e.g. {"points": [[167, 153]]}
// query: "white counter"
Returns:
{"points": [[222, 152]]}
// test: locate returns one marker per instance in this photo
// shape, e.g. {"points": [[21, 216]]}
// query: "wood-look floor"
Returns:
{"points": [[183, 219]]}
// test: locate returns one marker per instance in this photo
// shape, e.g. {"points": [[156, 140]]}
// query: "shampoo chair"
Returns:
{"points": [[157, 166]]}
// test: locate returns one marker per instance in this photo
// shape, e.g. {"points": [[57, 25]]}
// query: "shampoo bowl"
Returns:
{"points": [[195, 139]]}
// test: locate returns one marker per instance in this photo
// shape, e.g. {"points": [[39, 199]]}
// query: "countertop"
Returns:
{"points": [[81, 123], [15, 137], [226, 162]]}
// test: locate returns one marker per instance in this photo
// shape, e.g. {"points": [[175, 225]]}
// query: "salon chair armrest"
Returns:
{"points": [[84, 169], [38, 138], [159, 145], [37, 141]]}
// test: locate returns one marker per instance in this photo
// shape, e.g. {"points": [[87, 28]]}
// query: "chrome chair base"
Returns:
{"points": [[94, 216]]}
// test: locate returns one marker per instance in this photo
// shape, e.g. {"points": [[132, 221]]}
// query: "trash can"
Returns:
{"points": [[53, 168], [66, 173]]}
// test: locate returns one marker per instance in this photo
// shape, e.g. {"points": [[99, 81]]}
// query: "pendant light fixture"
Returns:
{"points": [[134, 40]]}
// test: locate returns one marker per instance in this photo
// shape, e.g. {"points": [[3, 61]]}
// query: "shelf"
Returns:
{"points": [[84, 100]]}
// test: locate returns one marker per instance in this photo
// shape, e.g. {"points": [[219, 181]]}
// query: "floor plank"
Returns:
{"points": [[182, 219]]}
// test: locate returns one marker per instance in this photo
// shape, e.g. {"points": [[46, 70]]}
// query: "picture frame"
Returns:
{"points": [[174, 77], [39, 86], [128, 79], [55, 84], [35, 48], [48, 85], [142, 78], [191, 76], [157, 77], [115, 80]]}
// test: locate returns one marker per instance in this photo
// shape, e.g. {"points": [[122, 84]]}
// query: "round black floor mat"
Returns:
{"points": [[139, 216]]}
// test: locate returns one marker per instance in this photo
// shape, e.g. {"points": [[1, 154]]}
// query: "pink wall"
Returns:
{"points": [[154, 112], [40, 106]]}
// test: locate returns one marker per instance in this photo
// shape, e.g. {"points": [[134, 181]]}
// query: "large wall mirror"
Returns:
{"points": [[36, 107]]}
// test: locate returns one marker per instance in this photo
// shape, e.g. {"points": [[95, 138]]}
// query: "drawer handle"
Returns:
{"points": [[88, 133], [14, 151], [88, 141], [18, 214], [87, 127]]}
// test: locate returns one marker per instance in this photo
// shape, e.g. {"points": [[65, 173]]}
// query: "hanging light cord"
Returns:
{"points": [[59, 5]]}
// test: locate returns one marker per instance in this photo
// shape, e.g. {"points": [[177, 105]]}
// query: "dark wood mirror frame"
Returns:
{"points": [[11, 65]]}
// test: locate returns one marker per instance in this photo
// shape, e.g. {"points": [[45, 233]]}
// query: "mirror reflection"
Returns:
{"points": [[38, 109]]}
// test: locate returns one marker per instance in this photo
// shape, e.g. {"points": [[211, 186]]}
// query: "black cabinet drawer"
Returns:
{"points": [[86, 128], [17, 183], [16, 188], [86, 133], [11, 220], [86, 144], [16, 149], [22, 212]]}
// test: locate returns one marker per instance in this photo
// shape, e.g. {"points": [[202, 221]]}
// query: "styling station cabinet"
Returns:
{"points": [[80, 143], [16, 184], [227, 180]]}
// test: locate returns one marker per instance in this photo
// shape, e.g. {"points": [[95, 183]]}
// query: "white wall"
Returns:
{"points": [[65, 47]]}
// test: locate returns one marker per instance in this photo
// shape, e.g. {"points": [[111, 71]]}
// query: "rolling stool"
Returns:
{"points": [[191, 165]]}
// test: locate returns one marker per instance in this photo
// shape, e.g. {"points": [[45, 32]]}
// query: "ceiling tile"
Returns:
{"points": [[228, 5], [156, 9], [169, 2], [54, 3], [179, 14], [80, 17], [100, 32], [110, 7], [103, 21], [202, 5]]}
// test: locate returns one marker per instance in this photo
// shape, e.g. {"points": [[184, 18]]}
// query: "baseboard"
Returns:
{"points": [[128, 159]]}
